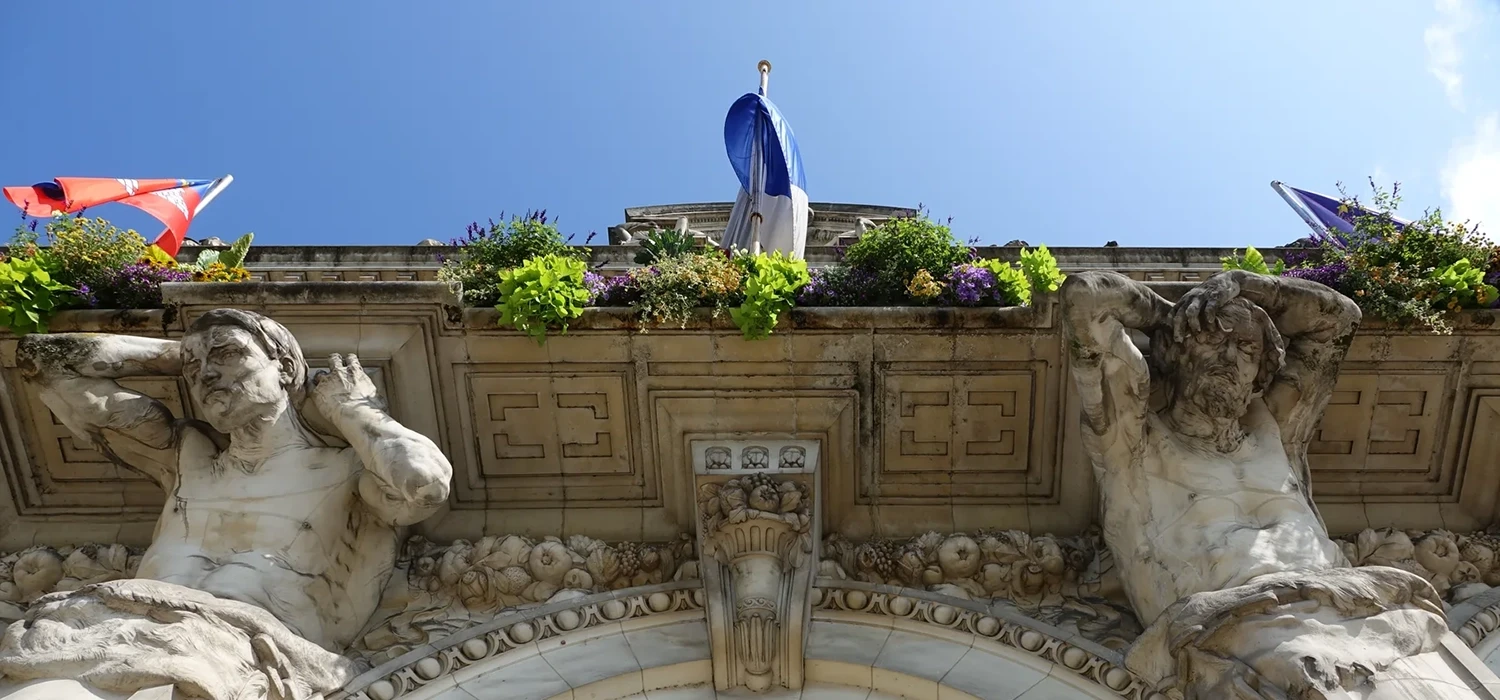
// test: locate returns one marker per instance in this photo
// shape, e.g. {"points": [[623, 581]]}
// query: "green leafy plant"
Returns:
{"points": [[544, 292], [82, 251], [664, 243], [895, 251], [1412, 275], [1015, 288], [1464, 285], [29, 295], [771, 286], [484, 252], [1041, 271], [230, 259], [667, 292], [209, 266], [1252, 261]]}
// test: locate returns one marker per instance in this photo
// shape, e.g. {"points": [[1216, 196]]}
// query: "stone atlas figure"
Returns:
{"points": [[1201, 458], [275, 540]]}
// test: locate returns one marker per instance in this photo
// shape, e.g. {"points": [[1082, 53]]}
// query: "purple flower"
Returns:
{"points": [[86, 296], [839, 286], [971, 285], [609, 291], [134, 286], [1331, 274]]}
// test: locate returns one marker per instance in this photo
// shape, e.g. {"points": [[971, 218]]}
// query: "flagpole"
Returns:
{"points": [[755, 218], [1312, 221], [214, 189]]}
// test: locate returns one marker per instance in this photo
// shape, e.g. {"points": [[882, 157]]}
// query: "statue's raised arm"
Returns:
{"points": [[75, 375], [1099, 309], [1315, 322], [1312, 324], [405, 477], [274, 542]]}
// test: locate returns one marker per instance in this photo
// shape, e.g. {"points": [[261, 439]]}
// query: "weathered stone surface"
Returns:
{"points": [[757, 530], [438, 590], [1069, 582], [287, 497], [1201, 453]]}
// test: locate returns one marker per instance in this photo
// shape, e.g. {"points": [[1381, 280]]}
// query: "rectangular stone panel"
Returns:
{"points": [[1383, 432], [1381, 421], [978, 431], [58, 473], [546, 434]]}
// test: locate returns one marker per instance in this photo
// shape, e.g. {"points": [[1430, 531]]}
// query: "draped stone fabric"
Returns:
{"points": [[125, 635], [1290, 635]]}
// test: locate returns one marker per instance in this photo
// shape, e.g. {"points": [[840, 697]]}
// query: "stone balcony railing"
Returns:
{"points": [[927, 419]]}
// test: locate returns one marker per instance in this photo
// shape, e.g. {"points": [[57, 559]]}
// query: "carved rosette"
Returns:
{"points": [[756, 531]]}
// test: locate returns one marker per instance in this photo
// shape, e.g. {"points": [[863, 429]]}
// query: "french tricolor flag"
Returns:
{"points": [[771, 211]]}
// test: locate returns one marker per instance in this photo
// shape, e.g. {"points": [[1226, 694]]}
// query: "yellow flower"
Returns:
{"points": [[923, 286]]}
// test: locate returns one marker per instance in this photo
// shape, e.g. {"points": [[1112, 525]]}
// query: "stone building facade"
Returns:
{"points": [[871, 503]]}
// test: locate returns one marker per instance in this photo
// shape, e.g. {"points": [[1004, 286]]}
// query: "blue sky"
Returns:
{"points": [[1063, 123]]}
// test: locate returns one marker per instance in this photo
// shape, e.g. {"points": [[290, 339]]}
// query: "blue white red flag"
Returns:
{"points": [[773, 185]]}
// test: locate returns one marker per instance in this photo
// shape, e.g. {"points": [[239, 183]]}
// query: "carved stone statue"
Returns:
{"points": [[1201, 458], [275, 540]]}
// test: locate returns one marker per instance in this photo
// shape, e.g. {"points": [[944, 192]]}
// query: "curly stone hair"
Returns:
{"points": [[1166, 351]]}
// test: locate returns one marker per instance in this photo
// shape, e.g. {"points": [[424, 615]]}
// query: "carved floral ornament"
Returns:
{"points": [[37, 571], [1063, 581], [758, 530], [440, 589]]}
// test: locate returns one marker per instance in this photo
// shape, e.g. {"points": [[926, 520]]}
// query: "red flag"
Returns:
{"points": [[175, 208], [69, 195], [173, 202], [42, 199]]}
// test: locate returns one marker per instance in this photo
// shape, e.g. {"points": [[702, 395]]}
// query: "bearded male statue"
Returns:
{"points": [[1201, 458], [275, 540]]}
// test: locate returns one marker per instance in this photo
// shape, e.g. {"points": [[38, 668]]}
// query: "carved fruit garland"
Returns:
{"points": [[440, 589], [759, 530], [1459, 566], [1031, 571], [31, 573], [759, 497]]}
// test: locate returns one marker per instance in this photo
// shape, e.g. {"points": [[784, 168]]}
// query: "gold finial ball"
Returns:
{"points": [[764, 66]]}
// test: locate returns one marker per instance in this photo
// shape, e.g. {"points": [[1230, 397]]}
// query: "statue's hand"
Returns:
{"points": [[1198, 310], [343, 385]]}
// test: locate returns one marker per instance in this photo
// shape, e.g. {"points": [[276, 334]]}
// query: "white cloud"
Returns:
{"points": [[1471, 178], [1444, 56]]}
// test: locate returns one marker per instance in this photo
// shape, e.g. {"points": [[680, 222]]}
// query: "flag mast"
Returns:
{"points": [[755, 218], [1317, 226], [222, 184], [218, 186]]}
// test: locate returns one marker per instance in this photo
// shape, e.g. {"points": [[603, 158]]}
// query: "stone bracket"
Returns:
{"points": [[757, 515]]}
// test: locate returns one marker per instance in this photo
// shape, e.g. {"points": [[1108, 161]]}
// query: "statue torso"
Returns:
{"points": [[289, 536], [1188, 519]]}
